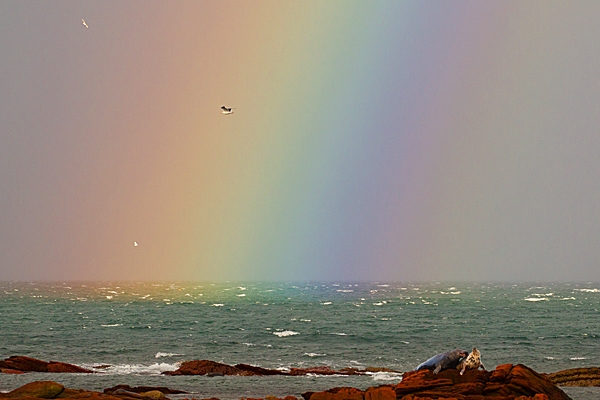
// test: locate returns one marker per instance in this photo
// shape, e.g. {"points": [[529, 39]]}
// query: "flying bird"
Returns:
{"points": [[84, 24], [135, 244], [226, 111]]}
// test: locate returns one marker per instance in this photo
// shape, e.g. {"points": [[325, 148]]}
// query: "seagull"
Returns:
{"points": [[135, 244], [226, 111], [84, 24]]}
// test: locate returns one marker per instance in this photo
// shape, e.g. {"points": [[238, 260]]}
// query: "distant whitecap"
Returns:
{"points": [[286, 333]]}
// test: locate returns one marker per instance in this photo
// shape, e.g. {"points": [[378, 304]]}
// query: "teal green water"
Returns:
{"points": [[143, 329]]}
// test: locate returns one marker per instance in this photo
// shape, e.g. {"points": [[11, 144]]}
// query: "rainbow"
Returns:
{"points": [[371, 140]]}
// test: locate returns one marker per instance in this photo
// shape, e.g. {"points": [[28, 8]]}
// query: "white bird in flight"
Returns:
{"points": [[226, 111], [135, 244], [84, 24]]}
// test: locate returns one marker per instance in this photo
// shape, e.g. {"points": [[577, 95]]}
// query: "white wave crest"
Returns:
{"points": [[110, 325], [589, 290], [286, 333], [161, 354], [218, 305], [339, 334], [536, 299], [137, 369], [315, 354], [577, 358], [386, 376]]}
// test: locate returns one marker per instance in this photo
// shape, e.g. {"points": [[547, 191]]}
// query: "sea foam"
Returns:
{"points": [[286, 333], [136, 369]]}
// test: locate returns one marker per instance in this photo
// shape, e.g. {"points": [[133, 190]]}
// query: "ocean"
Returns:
{"points": [[139, 330]]}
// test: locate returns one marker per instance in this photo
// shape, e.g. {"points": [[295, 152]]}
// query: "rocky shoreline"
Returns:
{"points": [[506, 382]]}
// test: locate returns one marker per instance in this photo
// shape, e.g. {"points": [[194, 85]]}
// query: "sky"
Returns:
{"points": [[370, 141]]}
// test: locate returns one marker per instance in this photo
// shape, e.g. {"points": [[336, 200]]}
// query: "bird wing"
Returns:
{"points": [[224, 108]]}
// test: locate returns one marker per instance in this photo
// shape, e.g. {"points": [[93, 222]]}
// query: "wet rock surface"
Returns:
{"points": [[576, 377], [21, 364], [143, 389], [506, 382], [212, 368]]}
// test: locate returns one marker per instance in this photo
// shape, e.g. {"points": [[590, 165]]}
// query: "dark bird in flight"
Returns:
{"points": [[226, 111]]}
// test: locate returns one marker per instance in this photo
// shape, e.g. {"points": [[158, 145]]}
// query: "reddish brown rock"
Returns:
{"points": [[53, 390], [258, 370], [324, 370], [60, 367], [207, 367], [69, 393], [338, 393], [507, 382], [10, 371], [212, 368], [142, 389], [380, 393], [28, 364], [39, 390], [268, 398], [576, 377], [25, 364]]}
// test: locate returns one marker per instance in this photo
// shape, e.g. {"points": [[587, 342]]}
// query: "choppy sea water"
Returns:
{"points": [[138, 330]]}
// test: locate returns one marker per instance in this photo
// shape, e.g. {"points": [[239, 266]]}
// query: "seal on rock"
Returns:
{"points": [[447, 360], [472, 361]]}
